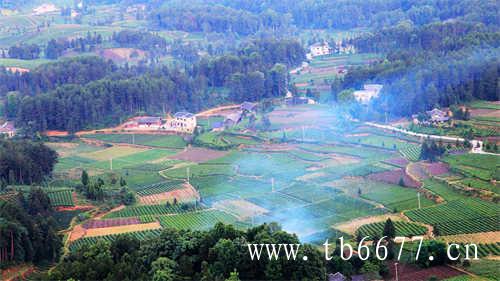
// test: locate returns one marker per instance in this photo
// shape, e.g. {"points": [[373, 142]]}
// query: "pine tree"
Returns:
{"points": [[85, 178], [389, 229]]}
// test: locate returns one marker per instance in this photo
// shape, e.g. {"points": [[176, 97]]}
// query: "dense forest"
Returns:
{"points": [[434, 65], [24, 162], [87, 92], [28, 233]]}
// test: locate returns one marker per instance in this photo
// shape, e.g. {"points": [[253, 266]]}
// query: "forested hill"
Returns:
{"points": [[245, 17], [433, 65], [82, 93]]}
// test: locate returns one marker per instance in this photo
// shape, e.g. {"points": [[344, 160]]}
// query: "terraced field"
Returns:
{"points": [[396, 197], [138, 211], [411, 152], [460, 216], [196, 220], [60, 198], [406, 229], [159, 187], [87, 241], [167, 141], [443, 190]]}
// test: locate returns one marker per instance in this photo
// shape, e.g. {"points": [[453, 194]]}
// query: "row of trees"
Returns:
{"points": [[222, 252]]}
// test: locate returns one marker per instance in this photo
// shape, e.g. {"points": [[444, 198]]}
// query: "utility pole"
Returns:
{"points": [[396, 266], [418, 196]]}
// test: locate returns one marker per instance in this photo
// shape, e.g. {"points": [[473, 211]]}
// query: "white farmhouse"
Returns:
{"points": [[369, 91], [320, 49], [183, 122]]}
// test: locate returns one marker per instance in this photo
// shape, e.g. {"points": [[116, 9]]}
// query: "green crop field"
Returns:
{"points": [[396, 197], [406, 229], [481, 184], [160, 187], [141, 157], [167, 141], [459, 216], [482, 166], [88, 241], [485, 268], [443, 190], [196, 220], [146, 210], [61, 198], [411, 152]]}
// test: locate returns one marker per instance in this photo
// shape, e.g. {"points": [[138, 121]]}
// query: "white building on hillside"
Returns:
{"points": [[320, 49], [183, 122], [369, 91]]}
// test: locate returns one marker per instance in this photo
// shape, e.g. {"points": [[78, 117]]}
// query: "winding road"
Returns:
{"points": [[477, 145]]}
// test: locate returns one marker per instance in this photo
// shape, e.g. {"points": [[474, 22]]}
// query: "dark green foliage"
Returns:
{"points": [[25, 162], [189, 255], [25, 52], [389, 229], [431, 151], [27, 231]]}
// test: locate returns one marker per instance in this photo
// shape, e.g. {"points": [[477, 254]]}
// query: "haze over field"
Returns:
{"points": [[156, 139]]}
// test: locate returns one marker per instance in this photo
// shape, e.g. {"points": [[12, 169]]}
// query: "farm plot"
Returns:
{"points": [[110, 222], [406, 229], [88, 241], [482, 166], [60, 198], [398, 162], [481, 184], [411, 152], [198, 154], [395, 197], [443, 190], [160, 187], [146, 210], [132, 160], [196, 220], [394, 177], [240, 208], [380, 141], [459, 216], [184, 194], [167, 141], [100, 231], [112, 152]]}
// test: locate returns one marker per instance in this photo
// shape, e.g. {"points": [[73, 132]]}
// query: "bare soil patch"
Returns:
{"points": [[121, 229], [482, 237], [414, 273], [484, 112], [122, 54], [198, 154], [350, 227], [186, 194]]}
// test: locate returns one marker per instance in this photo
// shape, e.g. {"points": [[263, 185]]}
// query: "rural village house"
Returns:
{"points": [[369, 91], [7, 129], [320, 49]]}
